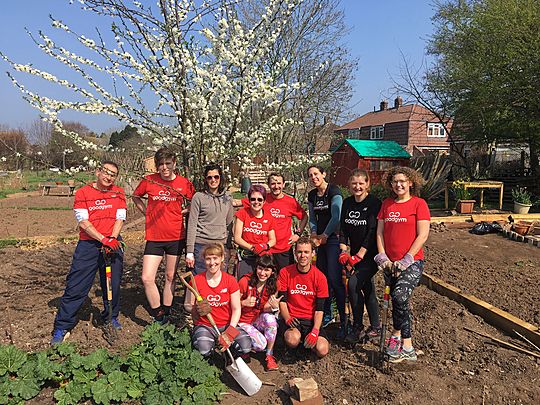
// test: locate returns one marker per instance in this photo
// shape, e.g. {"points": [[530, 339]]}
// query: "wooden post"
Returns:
{"points": [[501, 196]]}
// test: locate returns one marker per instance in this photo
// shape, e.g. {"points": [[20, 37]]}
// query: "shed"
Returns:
{"points": [[375, 156]]}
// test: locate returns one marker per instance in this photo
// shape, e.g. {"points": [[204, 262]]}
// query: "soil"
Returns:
{"points": [[457, 366]]}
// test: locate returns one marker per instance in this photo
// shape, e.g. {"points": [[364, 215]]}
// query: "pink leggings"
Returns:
{"points": [[265, 323]]}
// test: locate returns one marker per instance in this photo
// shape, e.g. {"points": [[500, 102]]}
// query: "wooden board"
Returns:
{"points": [[452, 218], [504, 217], [491, 314]]}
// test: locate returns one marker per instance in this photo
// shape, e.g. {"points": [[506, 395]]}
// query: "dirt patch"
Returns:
{"points": [[457, 367]]}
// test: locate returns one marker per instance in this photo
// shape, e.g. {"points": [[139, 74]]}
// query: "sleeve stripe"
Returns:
{"points": [[81, 214], [121, 214]]}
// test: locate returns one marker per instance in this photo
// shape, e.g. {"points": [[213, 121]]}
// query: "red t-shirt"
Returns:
{"points": [[302, 289], [101, 206], [249, 314], [164, 219], [283, 210], [400, 225], [255, 230], [218, 297]]}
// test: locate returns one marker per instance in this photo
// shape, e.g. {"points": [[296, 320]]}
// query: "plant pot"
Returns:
{"points": [[520, 208], [521, 228], [465, 206]]}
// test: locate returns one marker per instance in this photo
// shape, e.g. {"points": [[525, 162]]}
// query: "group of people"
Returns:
{"points": [[278, 283]]}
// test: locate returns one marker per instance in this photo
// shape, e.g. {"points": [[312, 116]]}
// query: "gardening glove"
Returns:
{"points": [[354, 260], [383, 262], [293, 322], [311, 339], [190, 260], [343, 258], [261, 247], [111, 243], [203, 307], [227, 337], [404, 263]]}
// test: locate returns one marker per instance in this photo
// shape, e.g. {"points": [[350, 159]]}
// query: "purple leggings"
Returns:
{"points": [[262, 331]]}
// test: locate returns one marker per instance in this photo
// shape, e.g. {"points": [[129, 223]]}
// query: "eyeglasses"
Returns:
{"points": [[108, 172], [396, 182], [256, 199], [216, 177]]}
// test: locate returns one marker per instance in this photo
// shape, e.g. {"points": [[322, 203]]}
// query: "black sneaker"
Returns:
{"points": [[354, 335]]}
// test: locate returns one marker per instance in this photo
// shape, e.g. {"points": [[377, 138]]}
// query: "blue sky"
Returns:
{"points": [[379, 32]]}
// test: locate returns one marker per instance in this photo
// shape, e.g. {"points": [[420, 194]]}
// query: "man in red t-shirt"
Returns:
{"points": [[165, 233], [303, 288], [283, 208], [100, 210]]}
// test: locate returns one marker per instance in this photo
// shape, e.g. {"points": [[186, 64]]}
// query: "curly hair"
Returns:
{"points": [[412, 175]]}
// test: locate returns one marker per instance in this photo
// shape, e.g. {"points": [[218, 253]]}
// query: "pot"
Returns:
{"points": [[520, 208], [465, 206]]}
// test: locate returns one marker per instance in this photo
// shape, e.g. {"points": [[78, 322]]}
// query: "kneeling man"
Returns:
{"points": [[303, 288]]}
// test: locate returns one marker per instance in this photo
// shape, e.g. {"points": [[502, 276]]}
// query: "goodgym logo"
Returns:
{"points": [[394, 217], [301, 289], [163, 195], [276, 213], [100, 205], [215, 300], [256, 228], [354, 219]]}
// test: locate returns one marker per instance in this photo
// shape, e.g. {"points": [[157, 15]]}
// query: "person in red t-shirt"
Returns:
{"points": [[260, 307], [402, 230], [165, 234], [221, 299], [302, 290], [253, 231], [100, 210]]}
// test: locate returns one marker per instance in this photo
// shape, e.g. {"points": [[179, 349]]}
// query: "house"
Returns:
{"points": [[375, 156], [412, 126]]}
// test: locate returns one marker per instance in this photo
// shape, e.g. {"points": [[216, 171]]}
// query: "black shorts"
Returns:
{"points": [[170, 247], [306, 325], [283, 259]]}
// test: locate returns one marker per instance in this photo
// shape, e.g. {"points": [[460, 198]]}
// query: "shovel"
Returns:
{"points": [[383, 356], [239, 370], [109, 332]]}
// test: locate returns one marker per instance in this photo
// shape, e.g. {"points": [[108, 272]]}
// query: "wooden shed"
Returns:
{"points": [[375, 156]]}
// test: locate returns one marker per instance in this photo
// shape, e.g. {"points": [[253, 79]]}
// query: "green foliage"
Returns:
{"points": [[162, 369], [459, 190], [522, 195], [119, 138], [379, 191]]}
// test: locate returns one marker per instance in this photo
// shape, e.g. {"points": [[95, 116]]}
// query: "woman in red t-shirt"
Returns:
{"points": [[253, 231], [260, 307], [221, 299], [402, 230]]}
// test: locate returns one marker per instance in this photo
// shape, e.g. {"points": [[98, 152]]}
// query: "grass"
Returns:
{"points": [[30, 180], [48, 208], [8, 242]]}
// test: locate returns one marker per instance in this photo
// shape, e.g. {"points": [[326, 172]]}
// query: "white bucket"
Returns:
{"points": [[245, 377]]}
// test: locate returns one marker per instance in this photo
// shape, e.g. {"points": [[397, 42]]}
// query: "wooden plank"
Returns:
{"points": [[504, 217], [491, 314], [452, 218]]}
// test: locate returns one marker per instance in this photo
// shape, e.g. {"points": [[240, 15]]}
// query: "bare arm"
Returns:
{"points": [[90, 230], [118, 224], [317, 320], [271, 238], [238, 226], [422, 233], [236, 308], [139, 203], [380, 237]]}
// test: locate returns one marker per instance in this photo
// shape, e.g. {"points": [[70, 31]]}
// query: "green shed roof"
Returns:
{"points": [[381, 149]]}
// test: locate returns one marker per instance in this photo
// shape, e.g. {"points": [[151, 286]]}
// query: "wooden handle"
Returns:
{"points": [[195, 291]]}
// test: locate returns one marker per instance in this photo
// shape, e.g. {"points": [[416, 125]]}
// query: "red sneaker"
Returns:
{"points": [[271, 363]]}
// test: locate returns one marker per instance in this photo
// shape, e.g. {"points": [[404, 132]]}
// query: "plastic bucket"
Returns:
{"points": [[246, 378]]}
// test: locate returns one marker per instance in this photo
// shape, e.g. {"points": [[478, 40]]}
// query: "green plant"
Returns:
{"points": [[522, 195], [8, 242], [460, 192], [161, 369], [379, 191]]}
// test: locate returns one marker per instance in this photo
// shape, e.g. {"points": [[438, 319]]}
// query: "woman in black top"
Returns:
{"points": [[358, 229], [324, 203]]}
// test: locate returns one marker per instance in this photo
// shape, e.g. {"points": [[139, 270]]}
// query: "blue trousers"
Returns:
{"points": [[87, 260], [327, 262]]}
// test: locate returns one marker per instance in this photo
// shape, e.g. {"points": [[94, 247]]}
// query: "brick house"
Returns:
{"points": [[412, 126], [375, 156]]}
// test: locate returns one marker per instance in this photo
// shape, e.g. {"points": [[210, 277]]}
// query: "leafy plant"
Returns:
{"points": [[522, 195], [379, 191], [460, 192]]}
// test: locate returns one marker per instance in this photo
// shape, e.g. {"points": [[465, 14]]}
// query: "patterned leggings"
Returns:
{"points": [[401, 289], [204, 340], [265, 323]]}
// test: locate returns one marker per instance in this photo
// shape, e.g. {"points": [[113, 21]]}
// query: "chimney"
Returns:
{"points": [[384, 105], [398, 102]]}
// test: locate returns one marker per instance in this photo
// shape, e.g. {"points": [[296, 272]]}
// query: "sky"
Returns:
{"points": [[381, 33]]}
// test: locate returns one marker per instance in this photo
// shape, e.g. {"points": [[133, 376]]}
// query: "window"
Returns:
{"points": [[378, 165], [435, 129], [354, 133], [376, 132]]}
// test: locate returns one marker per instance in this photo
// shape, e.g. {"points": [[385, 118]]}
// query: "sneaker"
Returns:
{"points": [[58, 336], [373, 334], [116, 323], [161, 317], [403, 354], [393, 347], [342, 331], [354, 335], [327, 320], [271, 363]]}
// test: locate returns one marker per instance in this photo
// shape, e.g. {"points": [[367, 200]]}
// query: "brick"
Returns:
{"points": [[318, 400], [306, 389]]}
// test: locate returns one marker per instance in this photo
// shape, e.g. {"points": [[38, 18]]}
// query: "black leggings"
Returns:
{"points": [[401, 289], [204, 340], [362, 292]]}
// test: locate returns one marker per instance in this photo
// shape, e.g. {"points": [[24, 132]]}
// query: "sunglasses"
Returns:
{"points": [[256, 199], [107, 172], [216, 177]]}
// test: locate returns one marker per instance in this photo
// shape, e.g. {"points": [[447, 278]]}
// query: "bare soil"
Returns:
{"points": [[457, 367]]}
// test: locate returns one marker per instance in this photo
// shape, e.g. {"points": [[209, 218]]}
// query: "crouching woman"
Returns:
{"points": [[221, 299]]}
